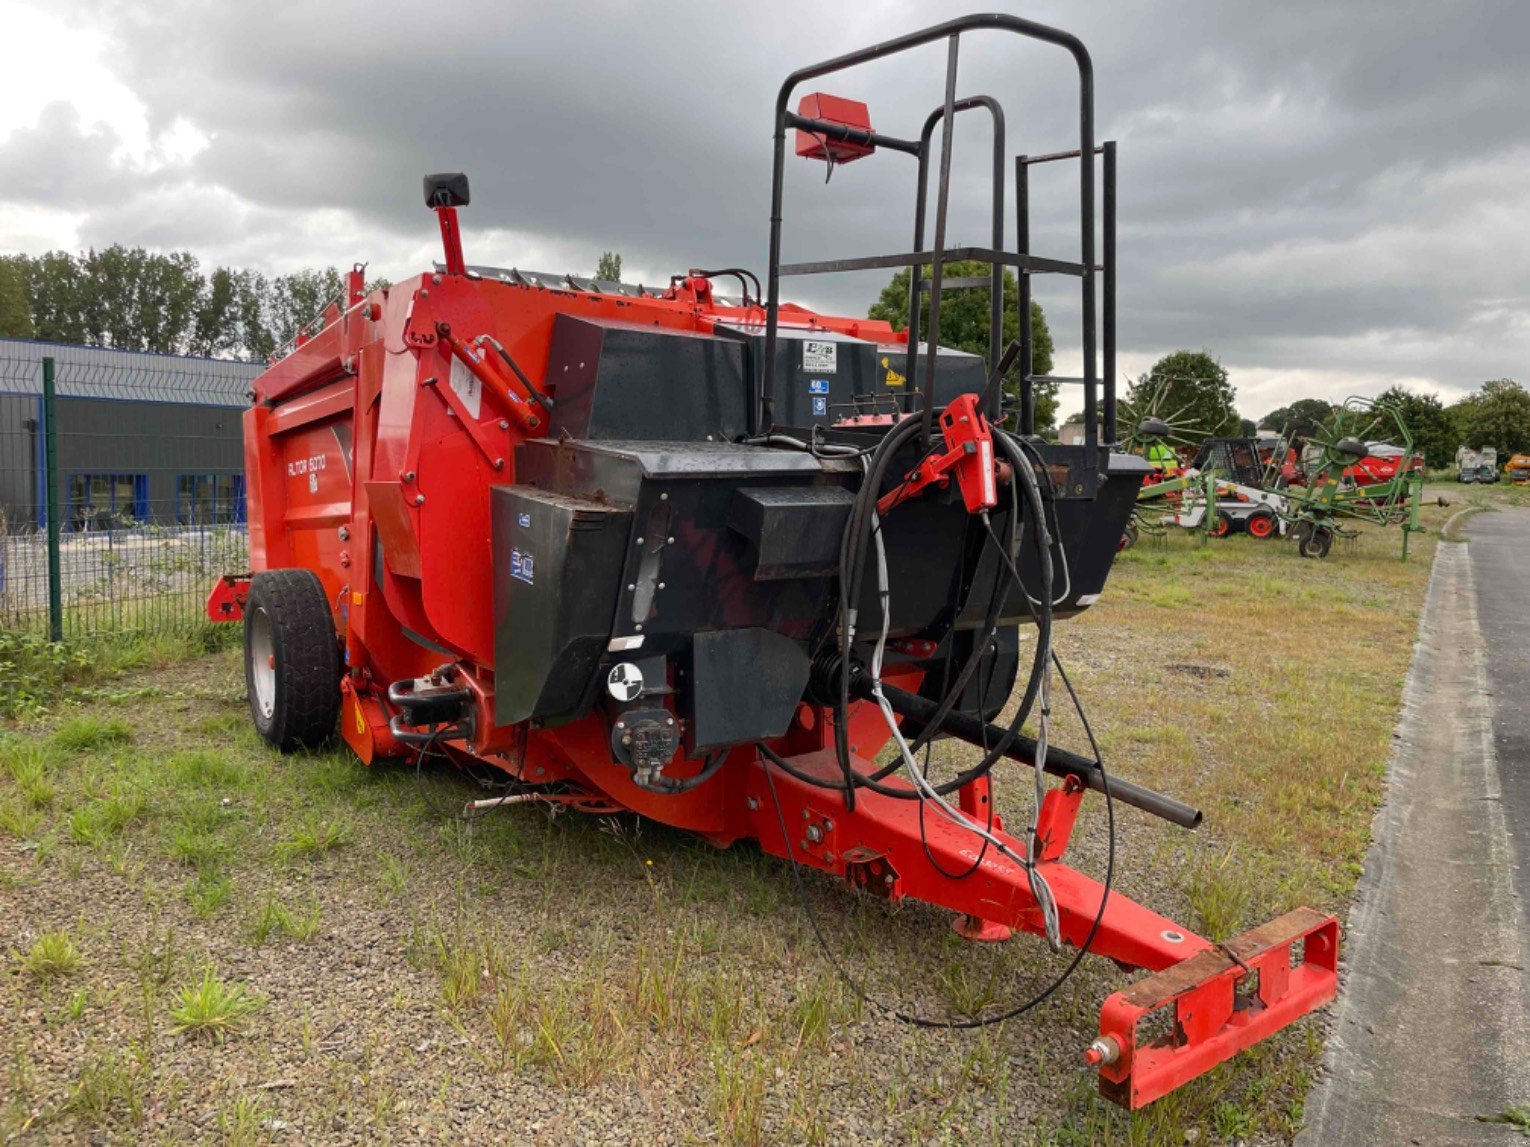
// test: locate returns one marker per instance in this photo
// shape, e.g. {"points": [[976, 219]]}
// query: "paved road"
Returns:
{"points": [[1432, 1030], [1500, 553]]}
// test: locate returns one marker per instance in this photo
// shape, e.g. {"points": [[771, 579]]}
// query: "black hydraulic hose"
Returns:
{"points": [[743, 275], [671, 786], [1007, 735], [852, 560], [531, 389]]}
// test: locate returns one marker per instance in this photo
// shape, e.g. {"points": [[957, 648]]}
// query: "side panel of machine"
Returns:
{"points": [[557, 564], [305, 488]]}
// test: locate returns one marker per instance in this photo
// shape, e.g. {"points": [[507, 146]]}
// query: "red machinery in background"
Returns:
{"points": [[703, 558]]}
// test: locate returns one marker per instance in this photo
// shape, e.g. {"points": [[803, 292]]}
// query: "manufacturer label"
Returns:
{"points": [[820, 405], [522, 567], [819, 356], [818, 386], [467, 386]]}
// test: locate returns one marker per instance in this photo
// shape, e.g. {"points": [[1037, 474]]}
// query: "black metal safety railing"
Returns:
{"points": [[1098, 321]]}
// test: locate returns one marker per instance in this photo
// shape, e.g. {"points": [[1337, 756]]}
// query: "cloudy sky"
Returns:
{"points": [[1331, 197]]}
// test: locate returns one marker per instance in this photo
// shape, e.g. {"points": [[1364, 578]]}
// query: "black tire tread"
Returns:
{"points": [[307, 703]]}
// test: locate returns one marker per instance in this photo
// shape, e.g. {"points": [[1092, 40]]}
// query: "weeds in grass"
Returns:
{"points": [[459, 959], [243, 1122], [74, 1006], [103, 820], [111, 1086], [81, 734], [737, 1097], [31, 766], [392, 877], [196, 838], [1515, 1117], [274, 918], [1220, 892], [51, 956], [213, 1010], [19, 820], [207, 769], [317, 837]]}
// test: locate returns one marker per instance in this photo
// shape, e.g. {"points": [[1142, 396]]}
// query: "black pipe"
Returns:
{"points": [[1109, 331], [1060, 762], [996, 270], [1023, 247]]}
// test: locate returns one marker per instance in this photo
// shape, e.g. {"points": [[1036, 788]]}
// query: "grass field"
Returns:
{"points": [[205, 940]]}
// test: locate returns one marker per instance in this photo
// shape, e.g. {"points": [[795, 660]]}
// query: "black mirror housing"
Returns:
{"points": [[447, 189]]}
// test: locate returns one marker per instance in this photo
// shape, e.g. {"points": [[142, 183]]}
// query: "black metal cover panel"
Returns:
{"points": [[793, 531], [557, 570], [615, 380], [745, 686]]}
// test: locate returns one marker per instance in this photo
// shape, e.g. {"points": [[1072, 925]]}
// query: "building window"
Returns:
{"points": [[209, 499], [107, 501]]}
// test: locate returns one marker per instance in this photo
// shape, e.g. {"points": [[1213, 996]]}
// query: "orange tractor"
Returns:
{"points": [[704, 557]]}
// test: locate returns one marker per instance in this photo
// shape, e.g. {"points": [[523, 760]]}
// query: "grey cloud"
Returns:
{"points": [[1305, 185]]}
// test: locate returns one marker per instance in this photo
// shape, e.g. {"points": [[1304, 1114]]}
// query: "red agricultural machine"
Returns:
{"points": [[704, 558]]}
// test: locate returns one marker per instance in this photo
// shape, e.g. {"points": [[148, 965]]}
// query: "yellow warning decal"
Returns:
{"points": [[893, 377]]}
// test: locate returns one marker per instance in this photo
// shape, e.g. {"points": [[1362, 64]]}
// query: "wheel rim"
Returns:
{"points": [[1222, 526], [262, 662], [1260, 526]]}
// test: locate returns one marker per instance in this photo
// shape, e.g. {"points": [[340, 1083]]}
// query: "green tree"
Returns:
{"points": [[15, 313], [1301, 419], [1427, 421], [216, 329], [54, 289], [1497, 415], [609, 269], [964, 325], [1197, 391]]}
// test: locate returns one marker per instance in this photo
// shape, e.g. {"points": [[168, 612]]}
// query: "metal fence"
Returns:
{"points": [[121, 487]]}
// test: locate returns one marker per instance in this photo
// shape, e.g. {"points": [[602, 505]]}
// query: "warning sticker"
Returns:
{"points": [[467, 386], [819, 356], [820, 405]]}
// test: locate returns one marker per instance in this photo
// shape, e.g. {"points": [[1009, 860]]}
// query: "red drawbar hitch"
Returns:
{"points": [[969, 455]]}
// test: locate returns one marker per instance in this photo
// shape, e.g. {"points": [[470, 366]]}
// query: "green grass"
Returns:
{"points": [[273, 919], [83, 734], [316, 837], [52, 956], [211, 1009], [590, 953]]}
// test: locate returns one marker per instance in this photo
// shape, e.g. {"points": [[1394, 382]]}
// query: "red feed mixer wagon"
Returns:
{"points": [[707, 558]]}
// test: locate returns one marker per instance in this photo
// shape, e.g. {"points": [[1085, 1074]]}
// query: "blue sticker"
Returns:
{"points": [[818, 386], [525, 519], [521, 566], [820, 405]]}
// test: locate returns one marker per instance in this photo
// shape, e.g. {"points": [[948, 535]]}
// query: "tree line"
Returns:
{"points": [[1197, 386], [1495, 414], [130, 298]]}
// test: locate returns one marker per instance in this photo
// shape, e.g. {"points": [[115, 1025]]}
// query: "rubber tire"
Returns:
{"points": [[1318, 544], [306, 701], [1222, 527], [1261, 517]]}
